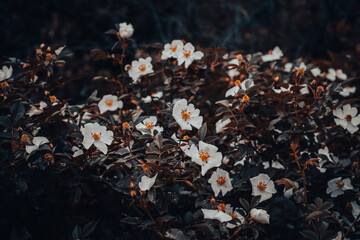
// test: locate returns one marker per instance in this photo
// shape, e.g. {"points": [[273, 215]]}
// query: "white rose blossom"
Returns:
{"points": [[262, 186], [77, 151], [234, 214], [218, 214], [37, 142], [347, 118], [220, 181], [221, 125], [188, 55], [185, 146], [37, 110], [150, 124], [260, 216], [5, 73], [186, 115], [355, 211], [272, 55], [96, 134], [126, 30], [333, 74], [139, 68], [146, 182], [109, 103], [347, 91], [315, 72], [206, 156], [244, 85], [337, 186], [172, 50]]}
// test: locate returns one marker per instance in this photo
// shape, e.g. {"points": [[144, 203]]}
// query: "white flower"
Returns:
{"points": [[140, 68], [185, 145], [234, 214], [96, 134], [272, 55], [126, 30], [304, 90], [37, 142], [220, 181], [347, 118], [339, 237], [207, 156], [346, 91], [5, 73], [244, 85], [37, 110], [260, 216], [77, 151], [154, 96], [146, 182], [186, 115], [301, 67], [172, 50], [262, 186], [232, 72], [333, 74], [221, 125], [337, 186], [282, 89], [216, 214], [355, 209], [109, 103], [188, 55], [325, 151], [288, 67], [274, 164], [149, 123], [316, 72]]}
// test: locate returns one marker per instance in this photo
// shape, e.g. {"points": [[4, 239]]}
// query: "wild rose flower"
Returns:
{"points": [[260, 216], [206, 156], [37, 110], [5, 73], [235, 215], [221, 125], [333, 74], [316, 72], [186, 115], [220, 181], [96, 134], [188, 55], [347, 118], [37, 142], [347, 91], [355, 211], [126, 30], [149, 124], [218, 214], [146, 183], [77, 151], [232, 72], [288, 67], [337, 186], [172, 50], [272, 55], [262, 186], [185, 146], [282, 89], [139, 68], [109, 103], [244, 85]]}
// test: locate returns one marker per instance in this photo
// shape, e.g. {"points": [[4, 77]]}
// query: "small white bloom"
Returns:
{"points": [[221, 125], [272, 55], [282, 89], [206, 156], [216, 214], [188, 55], [244, 85], [172, 50], [126, 30], [304, 90], [288, 67], [274, 164], [37, 142], [220, 181], [77, 151], [262, 186], [316, 72], [260, 216], [37, 110], [185, 146], [347, 118], [140, 68], [150, 124], [146, 182], [186, 115], [346, 91], [232, 72], [109, 103], [333, 74], [5, 73], [234, 214], [301, 67], [355, 209], [96, 134], [337, 186], [325, 151]]}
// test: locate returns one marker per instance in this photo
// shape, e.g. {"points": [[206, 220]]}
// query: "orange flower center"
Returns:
{"points": [[300, 70], [142, 68], [222, 207], [221, 180], [125, 125], [340, 184], [238, 83], [320, 88], [187, 54], [4, 85], [25, 138], [173, 48], [109, 103], [53, 99], [270, 52], [96, 136], [246, 98], [261, 186], [185, 114], [233, 214], [149, 125], [204, 156], [348, 117], [186, 137], [239, 57]]}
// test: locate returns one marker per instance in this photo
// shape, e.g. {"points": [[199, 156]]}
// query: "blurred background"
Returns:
{"points": [[305, 28]]}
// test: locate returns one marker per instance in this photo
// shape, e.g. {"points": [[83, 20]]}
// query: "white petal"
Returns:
{"points": [[101, 146]]}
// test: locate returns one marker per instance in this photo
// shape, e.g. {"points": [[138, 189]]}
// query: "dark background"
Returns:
{"points": [[306, 28]]}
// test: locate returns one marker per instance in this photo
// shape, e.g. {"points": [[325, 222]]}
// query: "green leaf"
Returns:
{"points": [[89, 228], [17, 110]]}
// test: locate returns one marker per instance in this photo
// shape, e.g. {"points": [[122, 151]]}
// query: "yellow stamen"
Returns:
{"points": [[204, 156], [149, 125], [109, 103], [185, 114], [221, 180], [348, 117], [142, 68], [173, 48], [222, 207], [187, 53], [96, 136], [261, 186]]}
